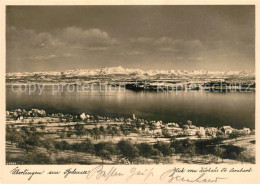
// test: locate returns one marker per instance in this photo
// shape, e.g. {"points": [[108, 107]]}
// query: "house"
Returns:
{"points": [[37, 112], [158, 124], [83, 116], [146, 129], [211, 131], [190, 132], [19, 117], [171, 125], [159, 130], [134, 117], [246, 130], [128, 121], [174, 130], [227, 129], [192, 127], [201, 131]]}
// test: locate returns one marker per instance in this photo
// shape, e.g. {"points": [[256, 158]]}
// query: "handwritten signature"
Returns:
{"points": [[102, 172], [171, 176], [146, 173], [98, 173]]}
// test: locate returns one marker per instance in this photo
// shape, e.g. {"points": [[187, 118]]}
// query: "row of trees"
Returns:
{"points": [[31, 140], [124, 150]]}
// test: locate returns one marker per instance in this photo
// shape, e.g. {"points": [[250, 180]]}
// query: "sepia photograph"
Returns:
{"points": [[130, 85]]}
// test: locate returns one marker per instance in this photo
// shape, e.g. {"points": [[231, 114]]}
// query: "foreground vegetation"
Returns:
{"points": [[35, 137], [40, 148]]}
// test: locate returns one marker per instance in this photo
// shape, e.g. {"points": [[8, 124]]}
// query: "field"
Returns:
{"points": [[59, 142]]}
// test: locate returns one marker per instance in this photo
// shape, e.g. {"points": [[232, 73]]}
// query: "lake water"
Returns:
{"points": [[202, 108]]}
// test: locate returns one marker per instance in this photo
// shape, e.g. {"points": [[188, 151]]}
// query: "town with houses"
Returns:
{"points": [[21, 117], [36, 137]]}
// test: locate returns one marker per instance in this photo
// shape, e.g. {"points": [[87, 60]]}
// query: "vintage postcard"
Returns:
{"points": [[119, 92]]}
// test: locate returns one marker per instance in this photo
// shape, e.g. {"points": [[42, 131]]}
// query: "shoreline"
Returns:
{"points": [[76, 115], [184, 130]]}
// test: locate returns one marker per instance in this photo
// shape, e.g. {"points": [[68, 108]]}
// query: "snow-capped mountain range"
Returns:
{"points": [[107, 71]]}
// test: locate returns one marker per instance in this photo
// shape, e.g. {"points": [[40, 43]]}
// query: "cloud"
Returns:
{"points": [[166, 41], [51, 56], [43, 57], [70, 37], [88, 38], [167, 45], [141, 40]]}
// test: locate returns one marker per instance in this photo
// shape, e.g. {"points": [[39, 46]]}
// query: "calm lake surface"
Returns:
{"points": [[202, 108]]}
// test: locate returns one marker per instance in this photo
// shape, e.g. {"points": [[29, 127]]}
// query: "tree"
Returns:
{"points": [[138, 123], [69, 134], [127, 150], [88, 146], [68, 160], [60, 119], [235, 134], [104, 150], [177, 145], [109, 127], [145, 150], [31, 142], [86, 121], [80, 130], [185, 126], [156, 156], [103, 131], [188, 147], [165, 133], [49, 145], [13, 137], [164, 148], [8, 129], [24, 129], [42, 127], [40, 123], [152, 126], [143, 126], [67, 119], [96, 133], [158, 134], [33, 129], [219, 152], [105, 155], [126, 132], [62, 135], [124, 129], [96, 120], [114, 131], [189, 122], [35, 158], [62, 145]]}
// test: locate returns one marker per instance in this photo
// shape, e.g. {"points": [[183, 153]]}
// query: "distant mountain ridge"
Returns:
{"points": [[107, 71]]}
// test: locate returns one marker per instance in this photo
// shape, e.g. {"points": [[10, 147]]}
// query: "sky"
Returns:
{"points": [[58, 38]]}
